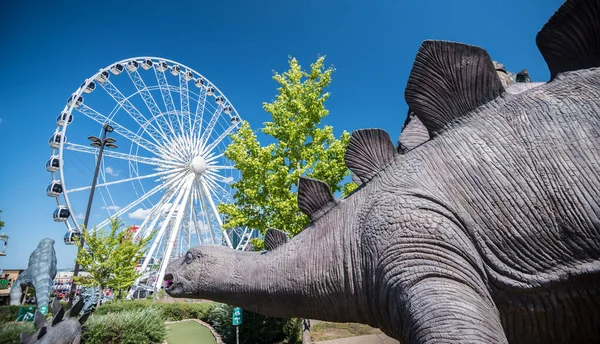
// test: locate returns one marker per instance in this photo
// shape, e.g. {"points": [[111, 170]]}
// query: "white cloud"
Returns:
{"points": [[80, 216], [139, 214], [228, 180], [111, 172], [111, 207]]}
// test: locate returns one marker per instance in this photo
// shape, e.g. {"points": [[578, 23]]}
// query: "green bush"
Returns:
{"points": [[123, 306], [180, 311], [10, 333], [126, 327], [8, 313], [169, 311], [256, 328]]}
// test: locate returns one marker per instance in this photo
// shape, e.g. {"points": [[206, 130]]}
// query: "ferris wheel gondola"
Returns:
{"points": [[169, 172]]}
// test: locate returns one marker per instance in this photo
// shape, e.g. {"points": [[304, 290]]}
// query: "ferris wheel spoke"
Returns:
{"points": [[143, 231], [213, 186], [133, 112], [157, 210], [119, 129], [108, 153], [117, 182], [131, 205], [165, 92], [155, 243], [218, 140], [184, 102], [219, 167], [219, 178], [212, 157], [148, 99], [205, 210], [209, 128], [179, 205], [200, 105], [112, 205]]}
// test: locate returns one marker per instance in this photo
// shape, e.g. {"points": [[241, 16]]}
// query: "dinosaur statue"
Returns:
{"points": [[90, 298], [482, 226], [39, 274], [63, 329]]}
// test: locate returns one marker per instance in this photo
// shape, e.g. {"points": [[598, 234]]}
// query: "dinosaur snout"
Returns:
{"points": [[168, 280]]}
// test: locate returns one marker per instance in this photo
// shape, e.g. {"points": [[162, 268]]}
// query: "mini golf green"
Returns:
{"points": [[188, 332]]}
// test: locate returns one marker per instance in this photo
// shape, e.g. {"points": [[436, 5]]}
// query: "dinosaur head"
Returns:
{"points": [[190, 275], [46, 242]]}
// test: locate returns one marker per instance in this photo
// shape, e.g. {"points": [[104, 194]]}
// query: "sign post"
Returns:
{"points": [[237, 321]]}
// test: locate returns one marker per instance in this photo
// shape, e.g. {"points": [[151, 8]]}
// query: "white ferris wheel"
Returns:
{"points": [[166, 174]]}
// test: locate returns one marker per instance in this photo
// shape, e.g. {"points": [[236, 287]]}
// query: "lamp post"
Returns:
{"points": [[101, 143]]}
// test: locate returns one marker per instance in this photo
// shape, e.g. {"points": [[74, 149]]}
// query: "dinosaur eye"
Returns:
{"points": [[188, 258]]}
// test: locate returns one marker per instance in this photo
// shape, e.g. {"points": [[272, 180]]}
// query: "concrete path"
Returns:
{"points": [[370, 339]]}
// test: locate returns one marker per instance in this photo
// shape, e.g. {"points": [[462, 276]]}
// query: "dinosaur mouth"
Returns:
{"points": [[169, 281]]}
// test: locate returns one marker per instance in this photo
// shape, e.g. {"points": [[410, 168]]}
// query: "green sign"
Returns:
{"points": [[44, 310], [237, 316], [26, 313], [3, 284]]}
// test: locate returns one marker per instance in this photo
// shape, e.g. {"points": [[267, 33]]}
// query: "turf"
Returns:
{"points": [[188, 332]]}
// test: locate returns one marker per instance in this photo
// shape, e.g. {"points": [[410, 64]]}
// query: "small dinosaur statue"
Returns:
{"points": [[482, 226], [39, 274], [65, 328]]}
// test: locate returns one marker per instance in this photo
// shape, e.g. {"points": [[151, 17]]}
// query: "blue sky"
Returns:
{"points": [[50, 48]]}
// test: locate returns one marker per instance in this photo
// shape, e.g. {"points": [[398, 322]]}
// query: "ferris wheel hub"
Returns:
{"points": [[198, 165]]}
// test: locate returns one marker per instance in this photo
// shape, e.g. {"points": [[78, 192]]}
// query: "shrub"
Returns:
{"points": [[8, 313], [256, 328], [180, 311], [126, 327], [169, 311], [123, 306], [10, 333]]}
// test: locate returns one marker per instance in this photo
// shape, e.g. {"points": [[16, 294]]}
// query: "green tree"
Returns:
{"points": [[110, 257], [266, 195], [1, 222]]}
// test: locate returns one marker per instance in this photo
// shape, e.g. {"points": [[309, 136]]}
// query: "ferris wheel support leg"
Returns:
{"points": [[214, 209], [173, 236], [148, 258]]}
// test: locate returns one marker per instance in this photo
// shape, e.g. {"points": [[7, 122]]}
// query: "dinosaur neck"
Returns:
{"points": [[308, 277]]}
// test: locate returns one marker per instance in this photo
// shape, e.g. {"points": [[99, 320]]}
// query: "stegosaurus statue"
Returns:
{"points": [[65, 328]]}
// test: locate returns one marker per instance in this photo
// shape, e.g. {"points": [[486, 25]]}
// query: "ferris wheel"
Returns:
{"points": [[168, 127]]}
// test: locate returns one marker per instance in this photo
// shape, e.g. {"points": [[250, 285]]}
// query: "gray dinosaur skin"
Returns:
{"points": [[90, 298], [39, 274], [64, 328], [489, 232]]}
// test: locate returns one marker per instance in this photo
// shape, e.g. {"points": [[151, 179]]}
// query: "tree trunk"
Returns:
{"points": [[306, 331], [100, 292]]}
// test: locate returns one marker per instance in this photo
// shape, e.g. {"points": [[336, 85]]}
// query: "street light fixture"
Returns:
{"points": [[101, 143]]}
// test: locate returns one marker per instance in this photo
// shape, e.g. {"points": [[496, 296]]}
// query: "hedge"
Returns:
{"points": [[169, 311], [8, 314], [10, 333], [256, 328], [126, 327]]}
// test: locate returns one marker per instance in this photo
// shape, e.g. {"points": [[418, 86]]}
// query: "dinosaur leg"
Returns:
{"points": [[16, 291], [435, 282], [444, 310], [43, 286]]}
